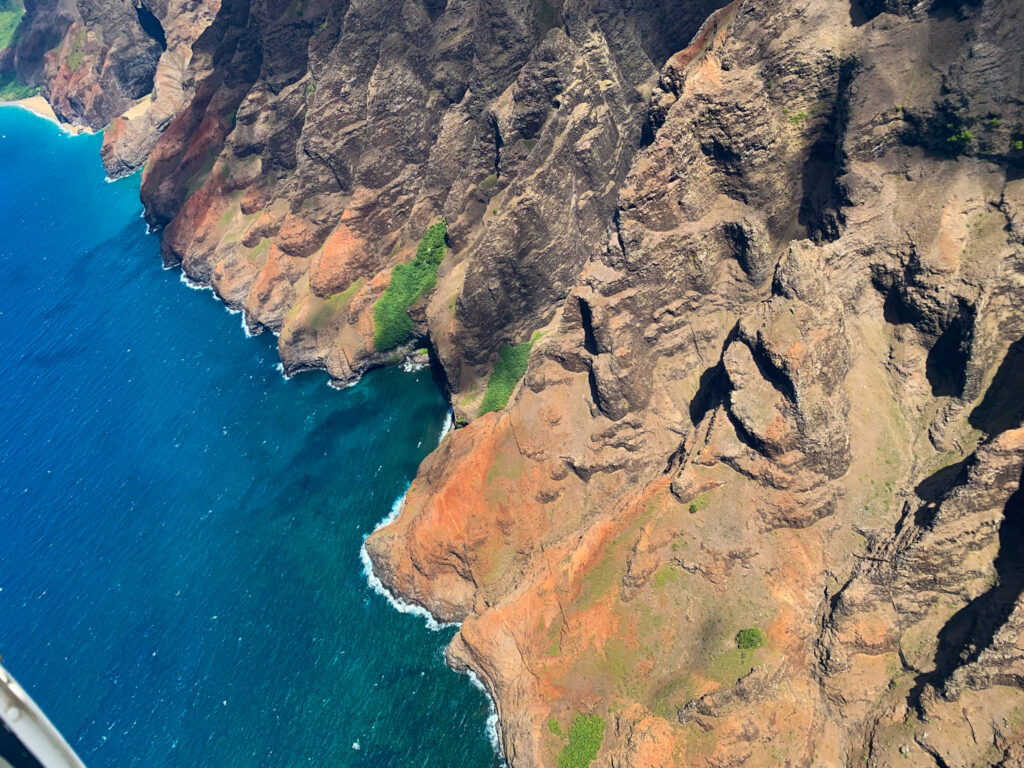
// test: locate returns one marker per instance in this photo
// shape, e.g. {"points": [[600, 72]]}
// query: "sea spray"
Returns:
{"points": [[284, 477], [375, 583], [403, 606], [197, 286], [400, 605], [396, 602], [449, 423], [493, 724]]}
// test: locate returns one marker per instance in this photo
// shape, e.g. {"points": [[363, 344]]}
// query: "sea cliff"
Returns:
{"points": [[728, 310]]}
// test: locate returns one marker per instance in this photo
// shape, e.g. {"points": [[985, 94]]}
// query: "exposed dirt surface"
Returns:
{"points": [[771, 258]]}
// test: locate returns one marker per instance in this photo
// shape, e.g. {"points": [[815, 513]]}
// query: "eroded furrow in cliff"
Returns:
{"points": [[729, 311]]}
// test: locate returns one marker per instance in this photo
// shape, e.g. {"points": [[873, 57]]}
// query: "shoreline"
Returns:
{"points": [[401, 605], [40, 107]]}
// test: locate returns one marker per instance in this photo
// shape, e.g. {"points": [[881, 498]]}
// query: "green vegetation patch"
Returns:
{"points": [[619, 661], [199, 178], [664, 576], [585, 736], [392, 324], [9, 21], [12, 90], [510, 368], [950, 129], [700, 503], [75, 57], [675, 689], [598, 581], [555, 727], [731, 665], [748, 639], [332, 305], [260, 249]]}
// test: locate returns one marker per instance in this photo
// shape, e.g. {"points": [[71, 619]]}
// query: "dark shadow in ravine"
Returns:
{"points": [[972, 629], [946, 364], [1003, 405]]}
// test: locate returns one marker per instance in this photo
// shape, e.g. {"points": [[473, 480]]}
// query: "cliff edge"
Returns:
{"points": [[727, 299]]}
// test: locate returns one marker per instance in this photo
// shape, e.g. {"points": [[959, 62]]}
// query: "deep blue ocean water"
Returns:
{"points": [[180, 527]]}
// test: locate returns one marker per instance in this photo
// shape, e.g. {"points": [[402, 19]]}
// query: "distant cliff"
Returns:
{"points": [[730, 312]]}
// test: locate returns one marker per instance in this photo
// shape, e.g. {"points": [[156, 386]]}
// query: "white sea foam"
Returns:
{"points": [[396, 602], [411, 366], [67, 130], [449, 422], [245, 325], [335, 384], [493, 724], [189, 282], [402, 606]]}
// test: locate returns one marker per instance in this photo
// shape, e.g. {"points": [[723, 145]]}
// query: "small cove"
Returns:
{"points": [[180, 581]]}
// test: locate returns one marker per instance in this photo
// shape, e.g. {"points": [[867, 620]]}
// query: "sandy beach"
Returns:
{"points": [[39, 106]]}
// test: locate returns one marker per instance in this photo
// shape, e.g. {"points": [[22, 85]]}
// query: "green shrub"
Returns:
{"points": [[509, 369], [12, 90], [700, 503], [748, 639], [961, 140], [1018, 145], [76, 55], [9, 21], [585, 736], [555, 727], [392, 324]]}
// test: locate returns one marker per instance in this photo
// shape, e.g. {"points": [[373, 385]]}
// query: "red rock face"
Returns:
{"points": [[726, 428], [773, 255], [341, 261]]}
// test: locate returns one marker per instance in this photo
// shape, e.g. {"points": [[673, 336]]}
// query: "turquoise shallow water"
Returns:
{"points": [[179, 526]]}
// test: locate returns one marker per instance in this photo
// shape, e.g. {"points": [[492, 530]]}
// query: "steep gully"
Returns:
{"points": [[775, 257]]}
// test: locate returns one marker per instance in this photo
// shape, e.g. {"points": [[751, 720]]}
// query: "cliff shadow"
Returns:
{"points": [[946, 364], [151, 25], [822, 196], [972, 629], [1002, 408]]}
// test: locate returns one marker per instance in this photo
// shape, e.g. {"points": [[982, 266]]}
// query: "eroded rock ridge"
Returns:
{"points": [[756, 500]]}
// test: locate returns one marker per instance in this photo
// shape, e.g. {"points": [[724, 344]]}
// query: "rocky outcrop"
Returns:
{"points": [[769, 256], [130, 138], [353, 129], [120, 65], [761, 405]]}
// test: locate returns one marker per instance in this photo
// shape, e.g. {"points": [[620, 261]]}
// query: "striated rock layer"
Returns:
{"points": [[771, 256]]}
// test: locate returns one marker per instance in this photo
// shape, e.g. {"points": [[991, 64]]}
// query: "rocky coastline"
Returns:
{"points": [[727, 305]]}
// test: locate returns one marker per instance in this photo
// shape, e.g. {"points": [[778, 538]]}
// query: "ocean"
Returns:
{"points": [[180, 527]]}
